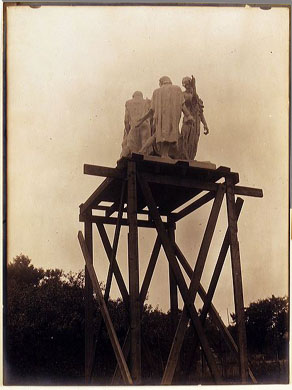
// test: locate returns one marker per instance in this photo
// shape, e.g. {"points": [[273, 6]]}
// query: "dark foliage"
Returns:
{"points": [[44, 341], [45, 323], [267, 338], [267, 327]]}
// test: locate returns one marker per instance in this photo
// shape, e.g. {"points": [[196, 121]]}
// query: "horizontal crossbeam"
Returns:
{"points": [[114, 220], [97, 170], [198, 184], [179, 181], [248, 191]]}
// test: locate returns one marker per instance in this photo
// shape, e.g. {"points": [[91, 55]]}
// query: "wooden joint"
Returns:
{"points": [[232, 176], [85, 216]]}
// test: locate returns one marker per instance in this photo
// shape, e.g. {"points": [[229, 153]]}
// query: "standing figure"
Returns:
{"points": [[167, 103], [190, 131], [135, 137]]}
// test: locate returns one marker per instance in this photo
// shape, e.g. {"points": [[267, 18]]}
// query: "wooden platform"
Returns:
{"points": [[172, 184]]}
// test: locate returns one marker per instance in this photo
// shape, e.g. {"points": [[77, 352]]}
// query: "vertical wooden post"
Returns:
{"points": [[172, 286], [237, 279], [89, 342], [135, 321], [143, 293], [173, 289]]}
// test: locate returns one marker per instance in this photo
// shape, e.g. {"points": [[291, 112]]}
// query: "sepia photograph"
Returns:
{"points": [[146, 194]]}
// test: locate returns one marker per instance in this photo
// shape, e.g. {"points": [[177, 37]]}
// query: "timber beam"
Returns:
{"points": [[96, 196], [104, 311], [142, 298], [113, 221], [193, 206], [237, 279], [112, 269], [110, 255], [133, 266], [179, 181], [97, 170], [198, 184], [114, 207], [212, 311], [248, 191]]}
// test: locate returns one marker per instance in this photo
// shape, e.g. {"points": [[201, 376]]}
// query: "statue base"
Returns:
{"points": [[191, 163]]}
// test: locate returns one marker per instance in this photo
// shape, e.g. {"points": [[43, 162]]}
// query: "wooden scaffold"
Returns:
{"points": [[137, 187]]}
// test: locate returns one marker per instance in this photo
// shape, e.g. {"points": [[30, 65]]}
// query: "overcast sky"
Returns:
{"points": [[70, 71]]}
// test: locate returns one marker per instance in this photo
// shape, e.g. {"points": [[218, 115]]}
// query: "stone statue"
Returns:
{"points": [[135, 137], [190, 131], [167, 103]]}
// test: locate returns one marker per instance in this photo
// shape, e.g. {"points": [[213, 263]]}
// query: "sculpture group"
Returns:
{"points": [[152, 126]]}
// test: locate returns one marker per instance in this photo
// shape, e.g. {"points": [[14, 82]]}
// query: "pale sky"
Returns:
{"points": [[70, 71]]}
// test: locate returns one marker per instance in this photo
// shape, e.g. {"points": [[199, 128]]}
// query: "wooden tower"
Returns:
{"points": [[146, 186]]}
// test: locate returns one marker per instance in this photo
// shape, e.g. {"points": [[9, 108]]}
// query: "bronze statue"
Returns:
{"points": [[190, 131]]}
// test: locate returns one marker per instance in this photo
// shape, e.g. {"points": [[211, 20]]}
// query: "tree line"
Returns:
{"points": [[44, 334]]}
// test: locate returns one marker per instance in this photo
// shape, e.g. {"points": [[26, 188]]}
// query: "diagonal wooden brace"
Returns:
{"points": [[115, 244], [120, 282], [104, 311], [116, 269], [193, 288], [112, 261], [212, 311], [194, 206], [150, 270], [142, 297], [215, 278], [169, 251]]}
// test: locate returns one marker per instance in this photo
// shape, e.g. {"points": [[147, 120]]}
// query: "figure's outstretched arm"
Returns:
{"points": [[146, 116]]}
